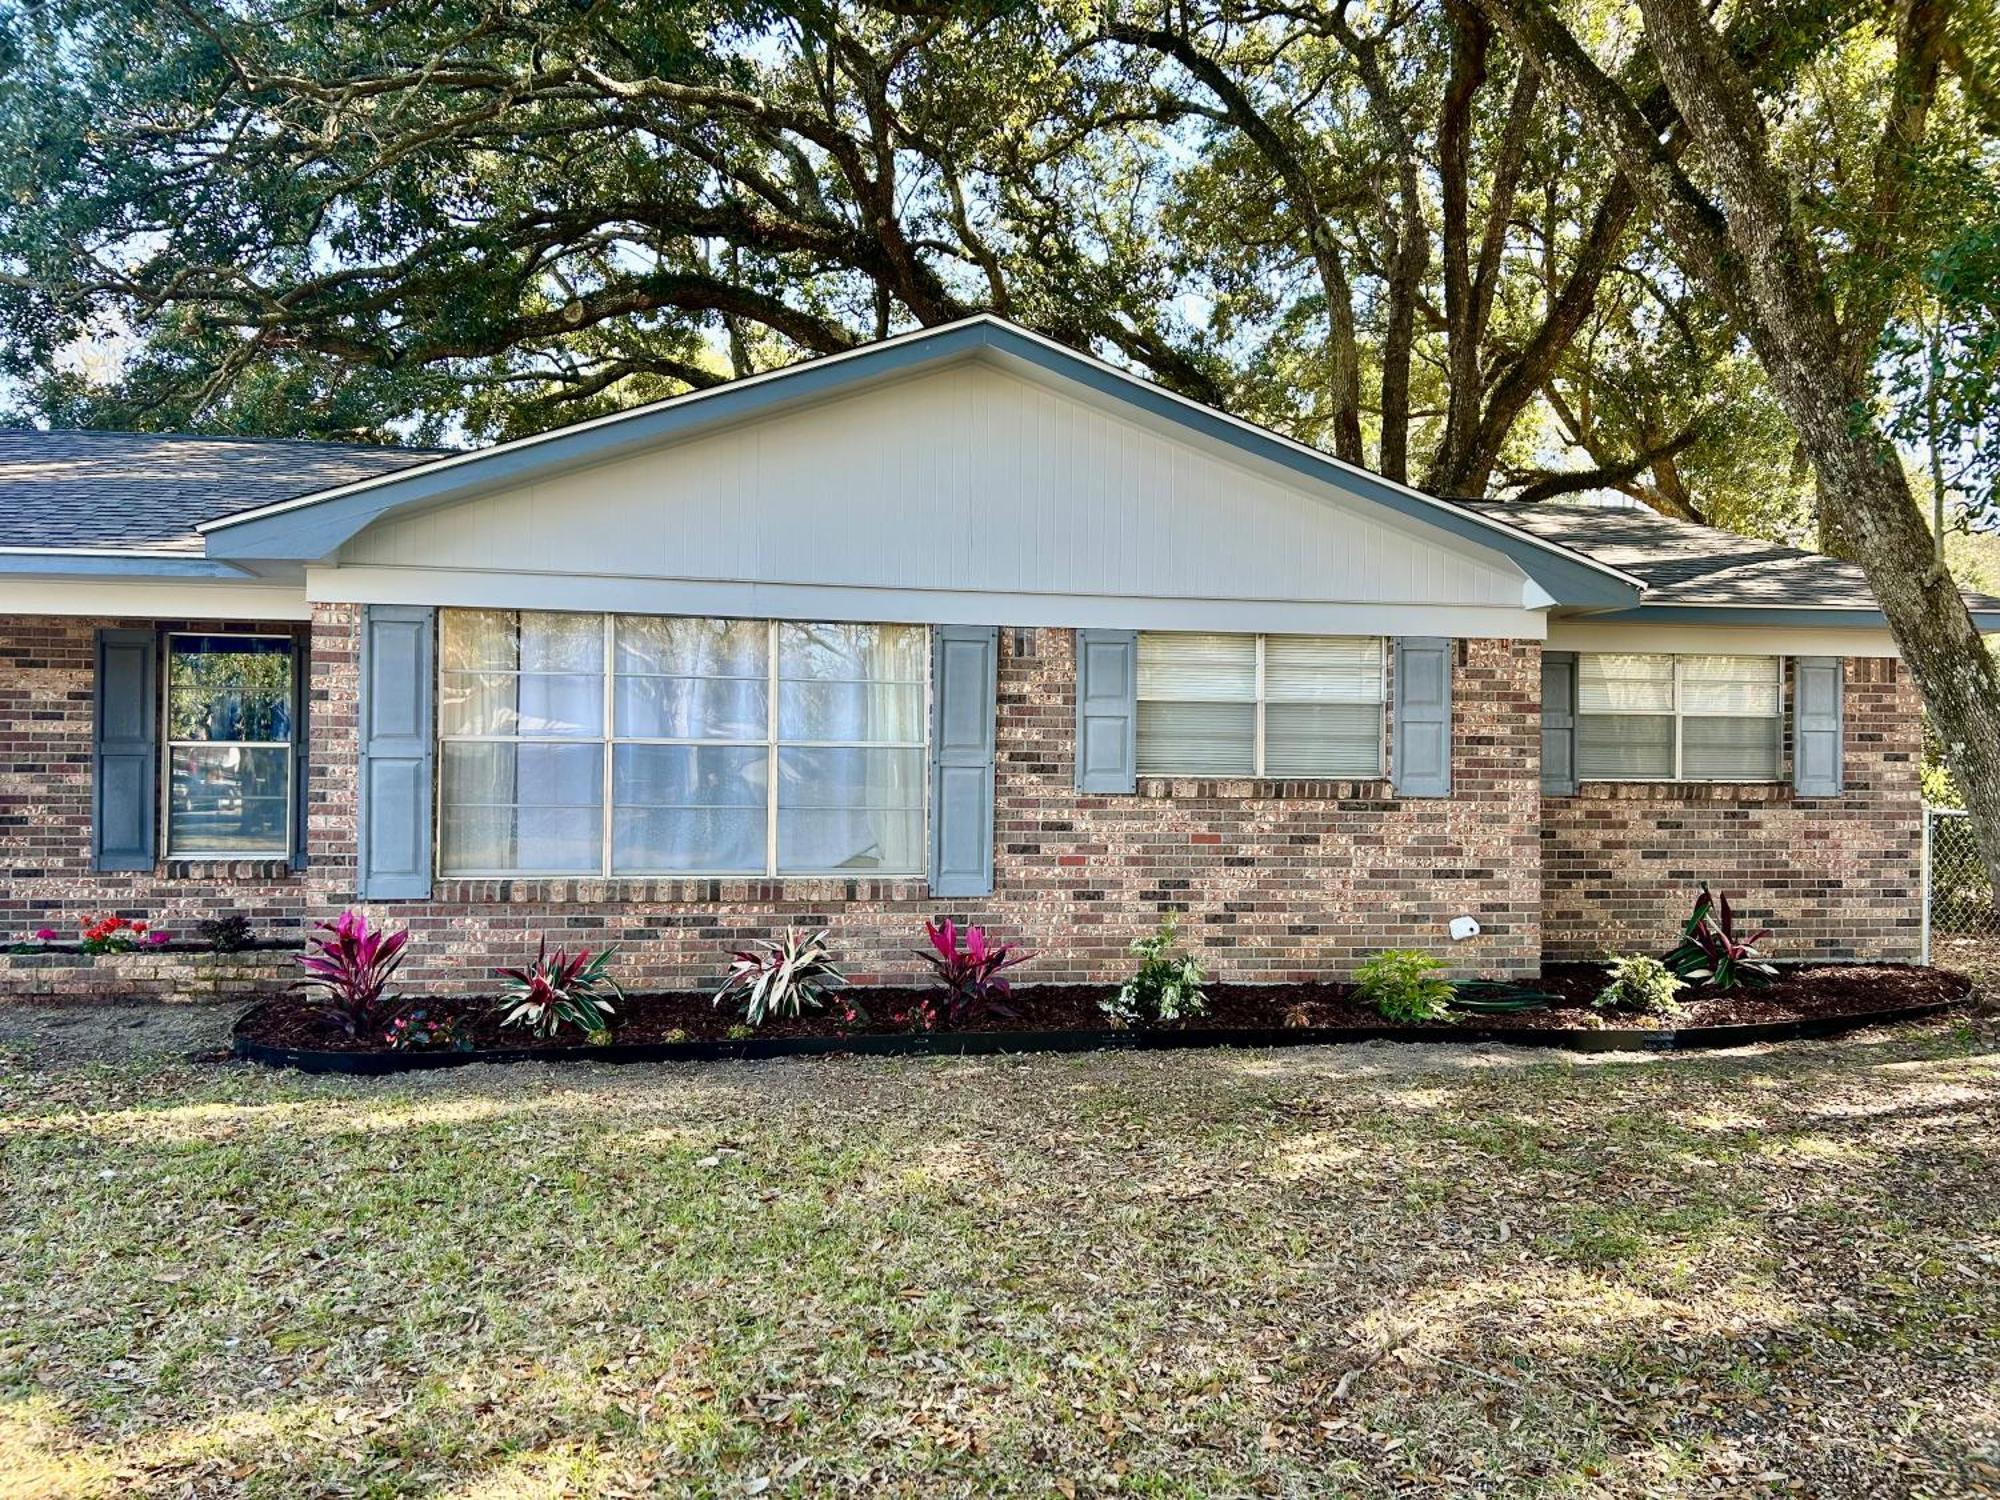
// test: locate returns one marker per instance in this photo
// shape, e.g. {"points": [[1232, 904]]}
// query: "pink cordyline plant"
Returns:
{"points": [[350, 969], [967, 968]]}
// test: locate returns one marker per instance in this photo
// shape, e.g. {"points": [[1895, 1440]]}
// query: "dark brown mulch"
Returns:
{"points": [[1798, 994]]}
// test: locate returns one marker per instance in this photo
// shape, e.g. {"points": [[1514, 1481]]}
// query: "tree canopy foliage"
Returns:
{"points": [[1365, 222]]}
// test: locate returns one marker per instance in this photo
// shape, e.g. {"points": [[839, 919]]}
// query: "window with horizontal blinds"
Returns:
{"points": [[653, 745], [1251, 705], [1659, 717]]}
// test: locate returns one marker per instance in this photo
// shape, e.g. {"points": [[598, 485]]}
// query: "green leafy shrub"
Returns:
{"points": [[785, 978], [1405, 985], [1167, 987], [1642, 984]]}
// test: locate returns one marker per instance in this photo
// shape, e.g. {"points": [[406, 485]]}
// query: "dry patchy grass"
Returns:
{"points": [[1364, 1270]]}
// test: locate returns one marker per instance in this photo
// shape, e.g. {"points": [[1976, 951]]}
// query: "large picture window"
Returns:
{"points": [[653, 745], [1655, 717], [1260, 705], [230, 710]]}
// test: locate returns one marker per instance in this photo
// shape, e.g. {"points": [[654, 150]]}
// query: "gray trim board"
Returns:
{"points": [[114, 565]]}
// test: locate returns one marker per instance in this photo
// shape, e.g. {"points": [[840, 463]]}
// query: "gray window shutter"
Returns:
{"points": [[125, 751], [1816, 725], [965, 664], [396, 687], [1559, 723], [1107, 710], [1423, 717]]}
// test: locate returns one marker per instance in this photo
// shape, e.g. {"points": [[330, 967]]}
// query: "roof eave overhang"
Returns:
{"points": [[315, 526], [174, 567]]}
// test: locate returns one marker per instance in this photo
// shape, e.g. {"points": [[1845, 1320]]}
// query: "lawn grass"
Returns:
{"points": [[1368, 1270]]}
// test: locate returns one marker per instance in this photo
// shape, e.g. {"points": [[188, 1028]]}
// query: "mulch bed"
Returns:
{"points": [[1799, 994]]}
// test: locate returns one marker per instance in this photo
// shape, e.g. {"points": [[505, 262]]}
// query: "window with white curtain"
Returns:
{"points": [[1260, 705], [656, 745], [1655, 717]]}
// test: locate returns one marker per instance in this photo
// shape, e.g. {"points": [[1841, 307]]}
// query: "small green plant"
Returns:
{"points": [[1406, 985], [785, 978], [1167, 987], [740, 1033], [1642, 984], [561, 988], [419, 1031]]}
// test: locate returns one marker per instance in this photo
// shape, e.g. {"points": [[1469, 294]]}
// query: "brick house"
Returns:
{"points": [[958, 622]]}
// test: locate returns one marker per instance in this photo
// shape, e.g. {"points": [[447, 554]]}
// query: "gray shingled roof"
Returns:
{"points": [[1685, 563], [94, 491]]}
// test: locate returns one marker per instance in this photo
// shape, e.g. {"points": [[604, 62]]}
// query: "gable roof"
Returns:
{"points": [[1687, 565], [120, 493], [311, 527]]}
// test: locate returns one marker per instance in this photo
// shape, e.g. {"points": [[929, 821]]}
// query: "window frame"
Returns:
{"points": [[608, 741], [294, 761], [1261, 702], [1678, 775]]}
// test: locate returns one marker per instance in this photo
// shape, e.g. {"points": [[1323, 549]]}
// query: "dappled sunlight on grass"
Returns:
{"points": [[1173, 1273]]}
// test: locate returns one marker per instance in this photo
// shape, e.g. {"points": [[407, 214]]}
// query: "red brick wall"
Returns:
{"points": [[1276, 880], [1835, 877]]}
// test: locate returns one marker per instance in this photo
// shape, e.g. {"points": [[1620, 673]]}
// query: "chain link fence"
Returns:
{"points": [[1961, 922]]}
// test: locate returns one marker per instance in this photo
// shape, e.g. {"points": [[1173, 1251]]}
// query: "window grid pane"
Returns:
{"points": [[1656, 717], [1247, 705], [715, 747]]}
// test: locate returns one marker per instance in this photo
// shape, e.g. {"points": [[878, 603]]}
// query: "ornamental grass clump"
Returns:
{"points": [[1639, 983], [967, 968], [350, 968], [1711, 953], [784, 978], [1406, 985], [1165, 990], [561, 989]]}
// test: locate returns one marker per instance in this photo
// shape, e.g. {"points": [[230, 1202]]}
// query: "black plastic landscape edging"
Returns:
{"points": [[991, 1043]]}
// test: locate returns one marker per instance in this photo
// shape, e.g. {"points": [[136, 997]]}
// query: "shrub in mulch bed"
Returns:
{"points": [[1804, 994]]}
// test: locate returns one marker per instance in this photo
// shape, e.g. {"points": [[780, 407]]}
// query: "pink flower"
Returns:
{"points": [[45, 934], [154, 939]]}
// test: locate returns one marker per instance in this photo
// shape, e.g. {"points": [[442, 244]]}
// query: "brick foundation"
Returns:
{"points": [[1277, 880]]}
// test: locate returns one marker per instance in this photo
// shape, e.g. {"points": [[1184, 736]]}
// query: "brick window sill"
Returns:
{"points": [[1263, 789], [1678, 791], [228, 869], [735, 890]]}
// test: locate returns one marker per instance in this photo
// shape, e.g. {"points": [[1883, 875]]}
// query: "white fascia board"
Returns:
{"points": [[472, 589]]}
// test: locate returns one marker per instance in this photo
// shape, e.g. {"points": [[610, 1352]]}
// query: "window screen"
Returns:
{"points": [[1250, 705]]}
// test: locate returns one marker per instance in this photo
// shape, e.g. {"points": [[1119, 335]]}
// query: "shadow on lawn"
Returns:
{"points": [[1220, 1272]]}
